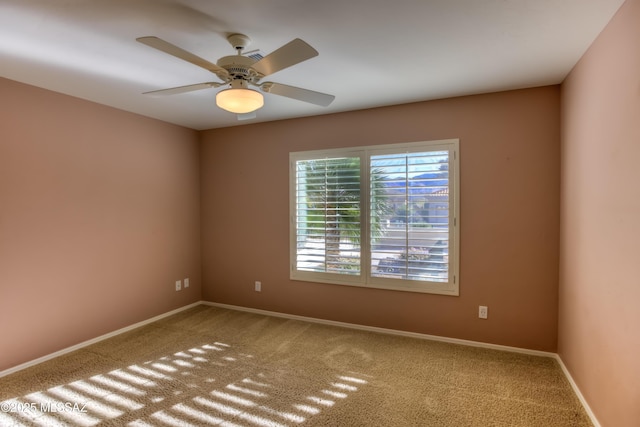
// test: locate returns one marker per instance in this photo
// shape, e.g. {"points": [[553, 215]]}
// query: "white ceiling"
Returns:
{"points": [[372, 52]]}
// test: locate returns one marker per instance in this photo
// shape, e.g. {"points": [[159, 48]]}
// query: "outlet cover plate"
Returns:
{"points": [[483, 312]]}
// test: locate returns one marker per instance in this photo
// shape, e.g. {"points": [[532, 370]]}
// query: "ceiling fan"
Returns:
{"points": [[240, 72]]}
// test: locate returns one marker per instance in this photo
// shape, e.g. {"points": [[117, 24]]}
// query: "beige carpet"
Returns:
{"points": [[212, 366]]}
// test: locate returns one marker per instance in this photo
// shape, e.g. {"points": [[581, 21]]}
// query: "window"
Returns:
{"points": [[379, 216]]}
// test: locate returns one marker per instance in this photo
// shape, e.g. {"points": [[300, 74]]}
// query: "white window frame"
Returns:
{"points": [[365, 278]]}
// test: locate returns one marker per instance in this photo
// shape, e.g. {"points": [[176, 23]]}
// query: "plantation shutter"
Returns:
{"points": [[327, 215], [412, 240], [382, 216]]}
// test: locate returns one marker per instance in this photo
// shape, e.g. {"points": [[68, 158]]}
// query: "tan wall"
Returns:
{"points": [[599, 327], [99, 215], [510, 147]]}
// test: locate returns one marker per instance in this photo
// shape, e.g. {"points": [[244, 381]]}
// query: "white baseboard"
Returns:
{"points": [[556, 356], [578, 393], [417, 335], [93, 341], [386, 331]]}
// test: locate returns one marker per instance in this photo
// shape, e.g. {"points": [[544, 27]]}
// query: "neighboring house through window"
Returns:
{"points": [[378, 216]]}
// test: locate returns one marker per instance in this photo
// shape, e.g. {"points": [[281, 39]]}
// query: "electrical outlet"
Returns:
{"points": [[178, 285], [483, 311], [186, 283], [258, 286]]}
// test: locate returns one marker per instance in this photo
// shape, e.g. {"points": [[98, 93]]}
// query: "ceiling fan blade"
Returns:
{"points": [[183, 89], [180, 53], [300, 94], [290, 54]]}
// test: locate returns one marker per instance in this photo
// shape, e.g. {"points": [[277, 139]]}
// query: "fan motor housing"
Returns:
{"points": [[238, 66]]}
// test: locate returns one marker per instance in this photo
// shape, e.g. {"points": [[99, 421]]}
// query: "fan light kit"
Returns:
{"points": [[240, 72], [238, 99]]}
